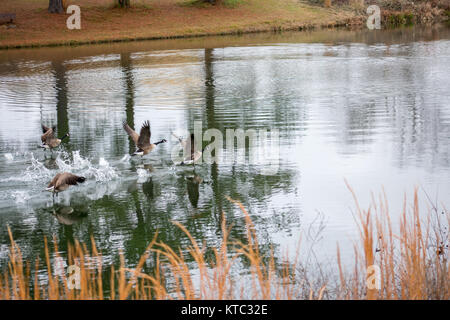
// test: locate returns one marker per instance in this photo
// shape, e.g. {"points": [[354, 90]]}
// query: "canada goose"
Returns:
{"points": [[62, 181], [142, 140], [49, 141], [191, 156]]}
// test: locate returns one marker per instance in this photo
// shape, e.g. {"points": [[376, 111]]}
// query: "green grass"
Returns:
{"points": [[195, 4], [232, 3]]}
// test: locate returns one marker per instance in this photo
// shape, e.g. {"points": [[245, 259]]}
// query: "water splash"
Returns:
{"points": [[142, 175], [35, 171], [125, 158], [105, 172], [74, 163], [65, 163], [9, 157], [82, 166], [20, 197], [102, 162]]}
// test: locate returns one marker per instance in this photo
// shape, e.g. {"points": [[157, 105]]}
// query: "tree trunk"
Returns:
{"points": [[56, 6], [124, 3]]}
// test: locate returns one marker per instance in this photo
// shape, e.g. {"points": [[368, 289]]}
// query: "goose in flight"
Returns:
{"points": [[142, 140], [62, 181], [49, 141]]}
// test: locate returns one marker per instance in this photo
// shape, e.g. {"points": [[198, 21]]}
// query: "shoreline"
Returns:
{"points": [[280, 28], [35, 28]]}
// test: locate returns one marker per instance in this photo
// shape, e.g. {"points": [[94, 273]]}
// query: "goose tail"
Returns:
{"points": [[137, 153], [81, 179]]}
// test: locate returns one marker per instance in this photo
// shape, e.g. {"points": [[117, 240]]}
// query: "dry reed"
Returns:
{"points": [[413, 264]]}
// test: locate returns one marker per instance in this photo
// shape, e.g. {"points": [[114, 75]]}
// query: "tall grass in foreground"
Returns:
{"points": [[413, 264]]}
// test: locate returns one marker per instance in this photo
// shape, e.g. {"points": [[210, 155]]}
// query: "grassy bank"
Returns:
{"points": [[395, 13], [101, 21], [412, 260]]}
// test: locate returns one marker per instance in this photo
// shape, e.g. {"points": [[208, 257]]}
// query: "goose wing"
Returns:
{"points": [[44, 128], [67, 178], [144, 136], [54, 180], [131, 133], [49, 133]]}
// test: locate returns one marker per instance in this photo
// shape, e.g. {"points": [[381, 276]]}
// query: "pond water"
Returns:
{"points": [[367, 107]]}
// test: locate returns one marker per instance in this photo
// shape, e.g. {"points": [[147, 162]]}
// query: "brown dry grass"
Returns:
{"points": [[100, 21], [172, 277], [413, 264], [413, 261]]}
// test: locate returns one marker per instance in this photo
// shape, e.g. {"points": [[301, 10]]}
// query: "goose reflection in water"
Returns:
{"points": [[67, 215], [193, 185], [147, 189], [148, 167], [50, 163]]}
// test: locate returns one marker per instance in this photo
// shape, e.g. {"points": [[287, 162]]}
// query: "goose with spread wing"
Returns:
{"points": [[142, 140], [62, 181], [48, 138]]}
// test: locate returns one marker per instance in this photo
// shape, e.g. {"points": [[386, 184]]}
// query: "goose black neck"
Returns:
{"points": [[156, 143], [64, 136]]}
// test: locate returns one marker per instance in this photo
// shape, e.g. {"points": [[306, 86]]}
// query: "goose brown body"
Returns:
{"points": [[64, 180], [142, 140], [48, 138]]}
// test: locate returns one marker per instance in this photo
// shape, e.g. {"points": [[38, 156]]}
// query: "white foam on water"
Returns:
{"points": [[84, 167], [9, 157], [20, 197], [142, 175], [35, 171], [102, 162], [105, 172], [76, 163], [36, 176], [125, 158]]}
